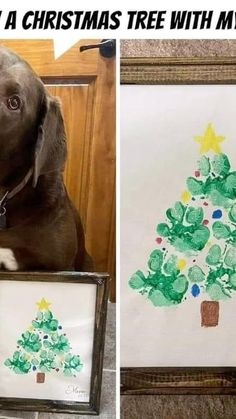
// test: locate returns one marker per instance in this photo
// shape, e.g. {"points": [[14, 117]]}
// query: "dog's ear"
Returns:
{"points": [[50, 148]]}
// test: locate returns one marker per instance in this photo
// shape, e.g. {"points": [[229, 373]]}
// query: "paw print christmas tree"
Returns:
{"points": [[195, 250], [44, 348]]}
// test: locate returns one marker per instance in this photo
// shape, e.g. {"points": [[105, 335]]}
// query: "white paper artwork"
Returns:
{"points": [[46, 340], [178, 226]]}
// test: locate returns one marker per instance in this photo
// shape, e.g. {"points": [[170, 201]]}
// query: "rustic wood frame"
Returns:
{"points": [[176, 380], [179, 70], [93, 406]]}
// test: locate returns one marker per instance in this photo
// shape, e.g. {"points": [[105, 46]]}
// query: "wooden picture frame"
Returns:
{"points": [[185, 70], [166, 71], [100, 282]]}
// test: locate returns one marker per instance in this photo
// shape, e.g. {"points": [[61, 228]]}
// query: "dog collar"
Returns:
{"points": [[8, 195]]}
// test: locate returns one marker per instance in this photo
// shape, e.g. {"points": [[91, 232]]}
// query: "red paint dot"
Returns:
{"points": [[205, 222], [158, 240], [197, 173], [205, 203], [194, 260], [57, 370]]}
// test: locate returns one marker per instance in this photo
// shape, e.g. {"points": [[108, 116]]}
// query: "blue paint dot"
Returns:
{"points": [[195, 290], [34, 368], [45, 337], [59, 327], [217, 214]]}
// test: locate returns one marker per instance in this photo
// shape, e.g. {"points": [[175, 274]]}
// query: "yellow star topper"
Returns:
{"points": [[209, 140], [43, 304]]}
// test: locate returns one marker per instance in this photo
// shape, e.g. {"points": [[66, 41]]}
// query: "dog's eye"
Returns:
{"points": [[13, 103]]}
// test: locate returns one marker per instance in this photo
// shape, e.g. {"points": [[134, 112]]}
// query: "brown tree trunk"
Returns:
{"points": [[40, 377], [210, 313]]}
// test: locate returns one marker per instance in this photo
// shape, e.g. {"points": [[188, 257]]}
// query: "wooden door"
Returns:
{"points": [[85, 84]]}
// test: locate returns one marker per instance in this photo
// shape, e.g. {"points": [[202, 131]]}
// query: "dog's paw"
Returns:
{"points": [[8, 260]]}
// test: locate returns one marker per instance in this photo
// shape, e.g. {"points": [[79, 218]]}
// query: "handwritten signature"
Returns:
{"points": [[73, 389]]}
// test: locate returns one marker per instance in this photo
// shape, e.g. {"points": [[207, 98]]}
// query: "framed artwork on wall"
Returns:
{"points": [[178, 225], [52, 331]]}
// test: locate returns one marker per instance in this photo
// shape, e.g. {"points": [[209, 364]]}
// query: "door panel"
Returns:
{"points": [[75, 101], [84, 82]]}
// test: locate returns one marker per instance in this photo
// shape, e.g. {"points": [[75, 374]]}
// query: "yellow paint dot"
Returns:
{"points": [[209, 244], [181, 263], [185, 196]]}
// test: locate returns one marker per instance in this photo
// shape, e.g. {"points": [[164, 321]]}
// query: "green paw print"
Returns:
{"points": [[164, 285], [185, 232]]}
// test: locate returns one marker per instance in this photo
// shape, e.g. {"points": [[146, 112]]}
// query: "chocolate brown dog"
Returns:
{"points": [[39, 227]]}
